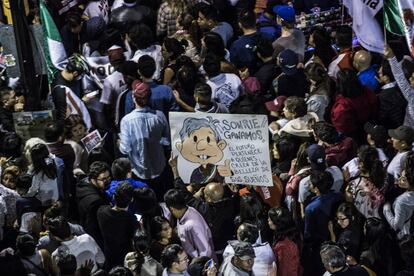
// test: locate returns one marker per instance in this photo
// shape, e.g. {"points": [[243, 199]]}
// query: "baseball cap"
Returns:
{"points": [[317, 157], [115, 54], [288, 61], [403, 133], [286, 12], [277, 104], [243, 250], [378, 133], [140, 89]]}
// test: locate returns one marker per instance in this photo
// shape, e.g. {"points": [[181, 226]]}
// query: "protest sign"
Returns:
{"points": [[92, 140], [32, 124], [226, 148]]}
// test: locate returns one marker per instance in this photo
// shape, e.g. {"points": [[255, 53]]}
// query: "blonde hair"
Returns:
{"points": [[177, 6]]}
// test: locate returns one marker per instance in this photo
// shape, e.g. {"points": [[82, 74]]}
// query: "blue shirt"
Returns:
{"points": [[317, 215], [114, 183], [268, 27], [243, 51], [225, 30], [368, 78], [144, 133], [162, 99]]}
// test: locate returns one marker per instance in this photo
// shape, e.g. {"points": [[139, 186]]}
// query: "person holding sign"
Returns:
{"points": [[201, 143]]}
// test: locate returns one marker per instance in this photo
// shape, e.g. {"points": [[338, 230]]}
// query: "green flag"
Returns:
{"points": [[54, 50], [393, 18]]}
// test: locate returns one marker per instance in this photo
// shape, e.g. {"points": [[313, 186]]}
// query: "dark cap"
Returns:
{"points": [[244, 250], [286, 12], [378, 133], [129, 68], [288, 61], [403, 133], [277, 104], [317, 156]]}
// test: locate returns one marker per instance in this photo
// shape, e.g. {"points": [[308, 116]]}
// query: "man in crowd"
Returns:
{"points": [[193, 231], [241, 264], [144, 136], [90, 194]]}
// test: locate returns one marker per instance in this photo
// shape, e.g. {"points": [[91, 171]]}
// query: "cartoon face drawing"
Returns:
{"points": [[201, 142]]}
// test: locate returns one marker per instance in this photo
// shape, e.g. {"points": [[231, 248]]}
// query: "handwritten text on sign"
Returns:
{"points": [[221, 148]]}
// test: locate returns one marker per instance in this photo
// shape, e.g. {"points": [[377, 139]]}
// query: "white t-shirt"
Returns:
{"points": [[44, 188], [304, 184], [114, 85], [98, 8], [84, 248], [396, 164], [353, 168], [225, 88], [153, 51]]}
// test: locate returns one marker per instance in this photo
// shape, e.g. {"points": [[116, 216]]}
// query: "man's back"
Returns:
{"points": [[89, 200], [144, 132], [195, 235], [117, 229], [295, 42]]}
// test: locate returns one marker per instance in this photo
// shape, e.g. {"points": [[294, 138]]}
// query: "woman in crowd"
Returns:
{"points": [[365, 190], [323, 52], [171, 50], [380, 249], [349, 229], [320, 90], [286, 242], [399, 214], [45, 183], [36, 262], [140, 262], [167, 15], [162, 235], [299, 169], [354, 105], [284, 151], [75, 130]]}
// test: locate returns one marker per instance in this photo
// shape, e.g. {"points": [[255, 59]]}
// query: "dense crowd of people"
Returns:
{"points": [[341, 128]]}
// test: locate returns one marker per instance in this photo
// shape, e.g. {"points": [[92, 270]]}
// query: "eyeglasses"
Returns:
{"points": [[183, 260], [341, 219], [104, 179]]}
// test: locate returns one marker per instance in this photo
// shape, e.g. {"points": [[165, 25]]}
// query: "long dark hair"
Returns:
{"points": [[141, 245], [379, 243], [214, 44], [156, 227], [285, 226], [323, 48], [42, 161], [368, 156], [302, 157], [347, 84]]}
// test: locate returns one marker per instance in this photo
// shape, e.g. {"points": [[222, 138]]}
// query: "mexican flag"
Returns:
{"points": [[394, 20], [369, 28], [54, 50]]}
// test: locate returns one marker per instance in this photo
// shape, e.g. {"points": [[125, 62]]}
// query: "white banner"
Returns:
{"points": [[221, 148], [369, 32]]}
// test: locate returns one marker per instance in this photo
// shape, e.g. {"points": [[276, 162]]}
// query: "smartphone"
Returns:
{"points": [[210, 263], [139, 217]]}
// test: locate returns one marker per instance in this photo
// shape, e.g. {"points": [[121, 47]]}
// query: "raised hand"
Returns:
{"points": [[224, 170]]}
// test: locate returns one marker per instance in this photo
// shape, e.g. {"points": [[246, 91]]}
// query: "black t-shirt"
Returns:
{"points": [[294, 85], [117, 228]]}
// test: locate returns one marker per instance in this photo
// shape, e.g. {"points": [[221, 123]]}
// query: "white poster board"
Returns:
{"points": [[226, 148]]}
